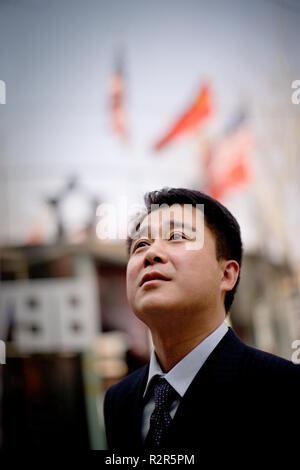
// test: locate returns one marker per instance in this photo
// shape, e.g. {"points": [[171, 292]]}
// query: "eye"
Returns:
{"points": [[140, 245], [177, 236]]}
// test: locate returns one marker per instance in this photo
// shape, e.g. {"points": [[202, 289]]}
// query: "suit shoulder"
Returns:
{"points": [[128, 382], [265, 361]]}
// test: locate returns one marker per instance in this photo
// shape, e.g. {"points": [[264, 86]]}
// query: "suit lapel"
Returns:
{"points": [[133, 406], [213, 383]]}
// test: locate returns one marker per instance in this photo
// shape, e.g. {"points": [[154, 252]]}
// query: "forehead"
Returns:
{"points": [[169, 217]]}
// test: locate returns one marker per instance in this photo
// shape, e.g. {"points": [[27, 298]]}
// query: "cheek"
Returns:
{"points": [[128, 280], [187, 275], [190, 266], [196, 272], [131, 276]]}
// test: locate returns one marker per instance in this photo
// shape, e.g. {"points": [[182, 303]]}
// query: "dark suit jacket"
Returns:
{"points": [[242, 397]]}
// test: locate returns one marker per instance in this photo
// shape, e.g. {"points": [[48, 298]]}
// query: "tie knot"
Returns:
{"points": [[164, 393]]}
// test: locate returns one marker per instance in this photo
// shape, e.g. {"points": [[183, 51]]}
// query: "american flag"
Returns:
{"points": [[227, 163], [117, 94]]}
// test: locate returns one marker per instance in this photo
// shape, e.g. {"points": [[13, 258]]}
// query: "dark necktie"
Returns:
{"points": [[164, 395]]}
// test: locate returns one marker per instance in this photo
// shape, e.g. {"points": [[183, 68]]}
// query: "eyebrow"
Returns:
{"points": [[172, 224]]}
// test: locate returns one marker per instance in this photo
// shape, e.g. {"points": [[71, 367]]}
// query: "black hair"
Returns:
{"points": [[217, 218]]}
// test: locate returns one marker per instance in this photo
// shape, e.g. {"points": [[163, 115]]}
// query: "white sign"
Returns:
{"points": [[51, 315]]}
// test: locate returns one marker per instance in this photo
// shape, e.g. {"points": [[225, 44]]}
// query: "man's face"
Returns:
{"points": [[178, 280]]}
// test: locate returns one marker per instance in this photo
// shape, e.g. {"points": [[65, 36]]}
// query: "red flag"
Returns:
{"points": [[191, 119], [117, 92], [228, 163]]}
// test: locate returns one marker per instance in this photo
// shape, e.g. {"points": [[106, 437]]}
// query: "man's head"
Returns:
{"points": [[198, 278]]}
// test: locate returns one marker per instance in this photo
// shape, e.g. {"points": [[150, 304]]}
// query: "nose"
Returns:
{"points": [[156, 253]]}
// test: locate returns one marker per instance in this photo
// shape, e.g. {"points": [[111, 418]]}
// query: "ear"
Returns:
{"points": [[230, 270]]}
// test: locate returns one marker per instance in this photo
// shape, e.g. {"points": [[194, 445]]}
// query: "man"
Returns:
{"points": [[203, 388]]}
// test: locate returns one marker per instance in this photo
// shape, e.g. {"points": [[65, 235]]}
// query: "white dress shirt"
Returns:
{"points": [[182, 374]]}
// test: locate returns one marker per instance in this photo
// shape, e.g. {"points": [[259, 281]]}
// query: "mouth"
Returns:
{"points": [[150, 277]]}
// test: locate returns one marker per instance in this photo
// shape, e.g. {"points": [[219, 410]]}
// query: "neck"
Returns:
{"points": [[172, 345]]}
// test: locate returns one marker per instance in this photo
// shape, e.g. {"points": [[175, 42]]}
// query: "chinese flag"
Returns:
{"points": [[191, 119]]}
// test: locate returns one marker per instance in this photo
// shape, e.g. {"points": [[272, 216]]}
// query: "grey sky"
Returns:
{"points": [[56, 58]]}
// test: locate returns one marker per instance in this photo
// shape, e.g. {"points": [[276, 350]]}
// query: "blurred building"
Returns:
{"points": [[69, 334]]}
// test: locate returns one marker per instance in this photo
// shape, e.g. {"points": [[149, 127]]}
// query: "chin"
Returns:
{"points": [[153, 310]]}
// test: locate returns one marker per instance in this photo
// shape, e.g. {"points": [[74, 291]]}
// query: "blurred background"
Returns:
{"points": [[100, 102]]}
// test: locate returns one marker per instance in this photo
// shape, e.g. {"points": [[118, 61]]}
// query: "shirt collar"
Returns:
{"points": [[182, 374]]}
